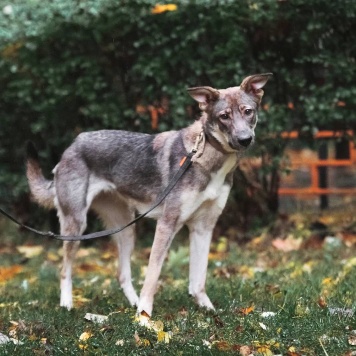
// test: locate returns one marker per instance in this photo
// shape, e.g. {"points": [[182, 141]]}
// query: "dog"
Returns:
{"points": [[119, 173]]}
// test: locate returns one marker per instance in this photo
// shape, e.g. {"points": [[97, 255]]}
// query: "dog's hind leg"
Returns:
{"points": [[69, 226], [72, 207], [114, 213]]}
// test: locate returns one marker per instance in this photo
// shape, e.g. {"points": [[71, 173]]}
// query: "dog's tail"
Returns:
{"points": [[42, 190]]}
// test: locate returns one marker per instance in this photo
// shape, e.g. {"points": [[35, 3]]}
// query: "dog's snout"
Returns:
{"points": [[245, 141]]}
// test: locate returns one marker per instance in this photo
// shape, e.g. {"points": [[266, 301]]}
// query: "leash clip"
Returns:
{"points": [[197, 142]]}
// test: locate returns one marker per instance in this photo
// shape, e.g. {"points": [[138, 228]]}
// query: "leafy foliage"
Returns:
{"points": [[68, 66]]}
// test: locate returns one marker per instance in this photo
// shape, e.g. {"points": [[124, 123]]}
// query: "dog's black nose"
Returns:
{"points": [[245, 141]]}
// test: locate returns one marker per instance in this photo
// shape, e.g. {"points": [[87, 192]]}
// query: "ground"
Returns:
{"points": [[291, 290]]}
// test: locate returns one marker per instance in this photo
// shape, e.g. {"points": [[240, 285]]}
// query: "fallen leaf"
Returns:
{"points": [[141, 342], [268, 314], [163, 336], [96, 318], [221, 345], [287, 245], [222, 245], [263, 326], [245, 350], [85, 336], [9, 305], [246, 311], [292, 351], [207, 343], [7, 273], [4, 339], [30, 251], [348, 313], [53, 257], [322, 302], [264, 351]]}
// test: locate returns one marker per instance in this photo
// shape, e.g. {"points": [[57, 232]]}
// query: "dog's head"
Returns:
{"points": [[231, 114]]}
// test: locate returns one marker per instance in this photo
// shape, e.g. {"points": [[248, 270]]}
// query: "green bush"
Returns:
{"points": [[68, 66]]}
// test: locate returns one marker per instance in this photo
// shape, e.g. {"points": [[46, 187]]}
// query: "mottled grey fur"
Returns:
{"points": [[117, 173]]}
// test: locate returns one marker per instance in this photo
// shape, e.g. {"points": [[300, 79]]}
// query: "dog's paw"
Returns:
{"points": [[131, 295], [203, 301], [66, 302], [67, 305], [133, 300], [144, 306]]}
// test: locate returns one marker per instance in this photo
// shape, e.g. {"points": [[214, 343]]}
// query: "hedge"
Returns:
{"points": [[68, 66]]}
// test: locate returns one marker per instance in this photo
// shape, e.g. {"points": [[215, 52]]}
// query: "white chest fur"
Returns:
{"points": [[215, 190]]}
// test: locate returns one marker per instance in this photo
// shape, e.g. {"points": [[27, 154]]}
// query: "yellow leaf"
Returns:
{"points": [[163, 336], [158, 9], [246, 272], [327, 281], [264, 351], [53, 257], [145, 342], [157, 325], [83, 347], [30, 251], [222, 245], [85, 336]]}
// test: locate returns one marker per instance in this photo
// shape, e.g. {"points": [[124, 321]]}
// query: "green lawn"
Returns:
{"points": [[269, 302]]}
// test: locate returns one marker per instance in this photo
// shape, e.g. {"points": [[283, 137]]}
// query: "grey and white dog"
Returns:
{"points": [[118, 173]]}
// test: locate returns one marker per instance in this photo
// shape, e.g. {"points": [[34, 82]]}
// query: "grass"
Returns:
{"points": [[310, 294]]}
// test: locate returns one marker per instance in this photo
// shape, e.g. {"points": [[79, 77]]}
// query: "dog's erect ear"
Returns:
{"points": [[204, 95], [254, 84]]}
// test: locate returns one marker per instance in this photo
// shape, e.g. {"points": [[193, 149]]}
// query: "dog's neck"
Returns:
{"points": [[215, 143]]}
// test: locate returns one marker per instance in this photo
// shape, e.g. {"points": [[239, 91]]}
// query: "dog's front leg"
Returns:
{"points": [[164, 235], [201, 229], [200, 238]]}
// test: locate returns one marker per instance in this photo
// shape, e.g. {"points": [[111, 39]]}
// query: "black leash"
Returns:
{"points": [[184, 165]]}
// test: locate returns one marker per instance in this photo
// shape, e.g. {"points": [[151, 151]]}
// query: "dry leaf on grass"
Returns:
{"points": [[6, 340], [144, 320], [30, 251], [246, 311], [287, 245], [7, 273], [96, 318]]}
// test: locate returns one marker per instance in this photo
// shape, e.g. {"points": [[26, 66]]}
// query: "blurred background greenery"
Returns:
{"points": [[68, 66]]}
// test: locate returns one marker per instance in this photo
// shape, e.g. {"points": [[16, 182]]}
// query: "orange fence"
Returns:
{"points": [[314, 164]]}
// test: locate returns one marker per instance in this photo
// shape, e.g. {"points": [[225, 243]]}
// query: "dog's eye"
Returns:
{"points": [[248, 112], [224, 117]]}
